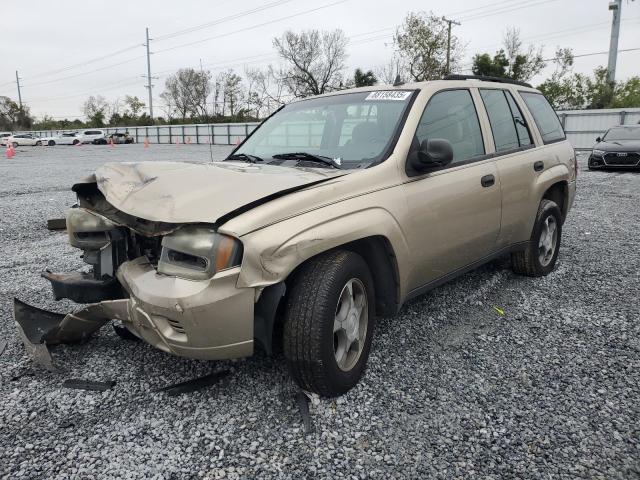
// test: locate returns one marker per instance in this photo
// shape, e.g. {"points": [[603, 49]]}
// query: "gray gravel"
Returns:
{"points": [[550, 389]]}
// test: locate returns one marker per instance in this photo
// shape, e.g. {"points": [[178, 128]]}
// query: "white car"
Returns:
{"points": [[23, 139], [89, 136], [4, 136], [69, 138]]}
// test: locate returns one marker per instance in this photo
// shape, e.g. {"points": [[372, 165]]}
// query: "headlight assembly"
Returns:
{"points": [[198, 253], [598, 153]]}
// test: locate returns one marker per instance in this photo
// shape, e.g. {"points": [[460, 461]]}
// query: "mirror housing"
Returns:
{"points": [[598, 139], [433, 154]]}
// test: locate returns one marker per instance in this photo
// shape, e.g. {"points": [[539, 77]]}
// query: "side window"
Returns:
{"points": [[524, 137], [507, 123], [503, 126], [452, 116], [545, 117]]}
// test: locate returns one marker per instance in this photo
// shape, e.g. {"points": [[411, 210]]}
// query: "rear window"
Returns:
{"points": [[545, 117]]}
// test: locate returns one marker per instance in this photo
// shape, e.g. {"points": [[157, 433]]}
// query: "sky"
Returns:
{"points": [[66, 50]]}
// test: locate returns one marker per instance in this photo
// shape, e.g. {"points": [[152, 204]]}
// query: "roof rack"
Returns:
{"points": [[487, 79]]}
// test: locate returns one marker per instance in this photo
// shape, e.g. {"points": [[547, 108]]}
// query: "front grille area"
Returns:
{"points": [[631, 159]]}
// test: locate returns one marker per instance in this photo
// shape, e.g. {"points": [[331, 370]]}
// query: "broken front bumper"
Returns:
{"points": [[210, 320]]}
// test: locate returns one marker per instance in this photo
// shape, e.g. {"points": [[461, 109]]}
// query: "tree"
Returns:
{"points": [[12, 116], [186, 93], [314, 61], [364, 79], [134, 104], [627, 94], [421, 43], [511, 61], [523, 66], [484, 65], [95, 109]]}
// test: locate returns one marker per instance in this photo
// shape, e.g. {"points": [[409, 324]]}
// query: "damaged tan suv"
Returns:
{"points": [[335, 210]]}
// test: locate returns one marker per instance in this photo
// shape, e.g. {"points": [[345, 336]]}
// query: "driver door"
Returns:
{"points": [[454, 212]]}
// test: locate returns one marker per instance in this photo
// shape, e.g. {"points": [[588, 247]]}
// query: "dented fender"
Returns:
{"points": [[269, 257]]}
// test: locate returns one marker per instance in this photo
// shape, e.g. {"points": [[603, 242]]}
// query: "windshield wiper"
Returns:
{"points": [[307, 156], [245, 157]]}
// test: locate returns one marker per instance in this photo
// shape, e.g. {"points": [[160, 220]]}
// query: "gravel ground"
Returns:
{"points": [[454, 389]]}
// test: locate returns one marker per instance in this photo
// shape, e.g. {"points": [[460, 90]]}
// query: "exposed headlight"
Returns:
{"points": [[598, 153], [198, 253]]}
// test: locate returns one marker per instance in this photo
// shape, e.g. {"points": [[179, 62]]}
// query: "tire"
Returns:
{"points": [[318, 297], [541, 254], [51, 143], [75, 142], [38, 143], [15, 144]]}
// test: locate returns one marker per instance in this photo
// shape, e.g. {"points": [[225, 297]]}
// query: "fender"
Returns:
{"points": [[555, 174], [269, 257]]}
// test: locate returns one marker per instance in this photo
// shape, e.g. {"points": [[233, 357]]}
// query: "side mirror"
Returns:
{"points": [[433, 153], [598, 139]]}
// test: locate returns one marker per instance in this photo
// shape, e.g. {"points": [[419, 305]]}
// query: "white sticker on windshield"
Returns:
{"points": [[388, 95]]}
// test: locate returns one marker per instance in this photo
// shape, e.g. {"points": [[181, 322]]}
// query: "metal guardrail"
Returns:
{"points": [[581, 127]]}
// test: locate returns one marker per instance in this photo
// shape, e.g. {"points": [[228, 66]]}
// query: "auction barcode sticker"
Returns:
{"points": [[389, 95]]}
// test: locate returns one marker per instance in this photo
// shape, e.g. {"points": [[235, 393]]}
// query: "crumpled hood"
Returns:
{"points": [[174, 192]]}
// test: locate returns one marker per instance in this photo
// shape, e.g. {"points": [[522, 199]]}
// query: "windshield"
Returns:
{"points": [[622, 133], [350, 130]]}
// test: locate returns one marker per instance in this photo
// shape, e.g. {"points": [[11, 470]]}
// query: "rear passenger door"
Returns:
{"points": [[516, 160], [454, 211]]}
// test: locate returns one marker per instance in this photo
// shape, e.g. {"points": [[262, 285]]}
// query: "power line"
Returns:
{"points": [[252, 27], [222, 20], [84, 73], [507, 9], [86, 62]]}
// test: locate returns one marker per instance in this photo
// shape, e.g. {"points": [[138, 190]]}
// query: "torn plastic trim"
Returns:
{"points": [[40, 328], [83, 287]]}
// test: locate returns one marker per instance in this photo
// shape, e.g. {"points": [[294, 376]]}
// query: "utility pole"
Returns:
{"points": [[149, 85], [449, 41], [616, 7], [19, 93]]}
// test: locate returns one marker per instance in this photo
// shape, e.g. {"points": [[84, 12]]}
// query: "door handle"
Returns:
{"points": [[538, 166], [487, 180]]}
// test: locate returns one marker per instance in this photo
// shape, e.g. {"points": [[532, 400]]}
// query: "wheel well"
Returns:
{"points": [[558, 193], [381, 260]]}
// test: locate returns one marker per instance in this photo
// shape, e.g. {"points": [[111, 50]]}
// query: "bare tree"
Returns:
{"points": [[421, 43], [314, 61], [523, 65], [388, 72], [186, 92]]}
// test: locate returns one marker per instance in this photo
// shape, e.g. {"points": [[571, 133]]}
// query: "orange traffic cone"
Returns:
{"points": [[188, 140], [146, 142], [111, 144], [237, 140], [177, 142], [10, 152]]}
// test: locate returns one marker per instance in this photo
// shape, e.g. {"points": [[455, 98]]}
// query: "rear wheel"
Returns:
{"points": [[15, 144], [75, 142], [38, 143], [51, 143], [541, 254], [329, 323]]}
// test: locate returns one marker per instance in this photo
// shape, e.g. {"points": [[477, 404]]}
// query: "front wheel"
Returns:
{"points": [[15, 144], [329, 323], [75, 142], [540, 256], [51, 143]]}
